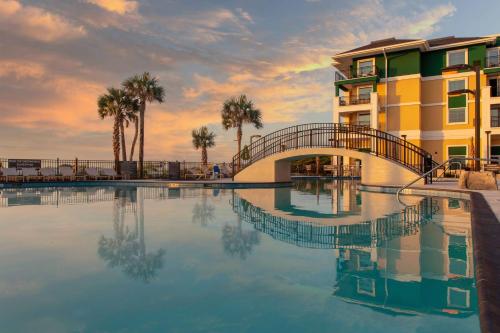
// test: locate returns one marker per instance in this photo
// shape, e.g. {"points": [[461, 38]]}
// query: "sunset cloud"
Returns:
{"points": [[56, 60], [117, 6], [37, 23]]}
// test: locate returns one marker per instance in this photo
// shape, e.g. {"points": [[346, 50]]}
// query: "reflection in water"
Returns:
{"points": [[397, 261], [127, 249], [415, 260], [239, 242], [203, 212]]}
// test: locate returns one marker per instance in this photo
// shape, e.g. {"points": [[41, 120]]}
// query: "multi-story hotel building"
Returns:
{"points": [[401, 86]]}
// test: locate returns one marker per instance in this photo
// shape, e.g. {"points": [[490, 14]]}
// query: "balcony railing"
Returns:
{"points": [[354, 100], [493, 61], [495, 121], [355, 73]]}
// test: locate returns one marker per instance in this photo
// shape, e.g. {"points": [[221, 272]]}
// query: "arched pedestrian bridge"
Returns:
{"points": [[385, 158]]}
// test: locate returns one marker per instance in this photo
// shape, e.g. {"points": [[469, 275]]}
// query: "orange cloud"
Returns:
{"points": [[117, 6], [37, 23]]}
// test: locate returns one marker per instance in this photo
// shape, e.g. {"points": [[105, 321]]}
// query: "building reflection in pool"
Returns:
{"points": [[411, 260]]}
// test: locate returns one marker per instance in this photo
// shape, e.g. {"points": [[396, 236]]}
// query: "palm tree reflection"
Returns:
{"points": [[127, 249], [203, 212], [239, 242]]}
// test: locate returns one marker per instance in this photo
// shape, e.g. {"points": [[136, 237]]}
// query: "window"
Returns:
{"points": [[495, 86], [457, 57], [456, 115], [459, 152], [365, 67], [364, 119], [366, 286], [493, 57], [364, 261], [457, 255], [495, 116], [457, 105], [458, 298], [364, 94], [456, 85]]}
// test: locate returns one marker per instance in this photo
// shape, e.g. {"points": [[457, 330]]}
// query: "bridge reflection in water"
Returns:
{"points": [[416, 259]]}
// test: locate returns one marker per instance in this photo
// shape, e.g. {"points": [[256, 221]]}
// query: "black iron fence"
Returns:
{"points": [[152, 169], [334, 135]]}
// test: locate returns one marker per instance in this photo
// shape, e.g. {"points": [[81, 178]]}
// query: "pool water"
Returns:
{"points": [[317, 257]]}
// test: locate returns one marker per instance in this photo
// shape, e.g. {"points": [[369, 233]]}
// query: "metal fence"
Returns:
{"points": [[152, 169]]}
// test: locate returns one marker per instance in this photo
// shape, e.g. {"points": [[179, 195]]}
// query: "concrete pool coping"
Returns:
{"points": [[485, 217]]}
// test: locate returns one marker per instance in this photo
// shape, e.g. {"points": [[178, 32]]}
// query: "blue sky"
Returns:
{"points": [[58, 56]]}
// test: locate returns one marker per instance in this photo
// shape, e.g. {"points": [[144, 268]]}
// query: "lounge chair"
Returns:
{"points": [[225, 172], [110, 173], [195, 173], [92, 173], [30, 174], [67, 173], [48, 174], [10, 174]]}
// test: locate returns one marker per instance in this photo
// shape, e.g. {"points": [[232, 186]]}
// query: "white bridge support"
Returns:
{"points": [[375, 170]]}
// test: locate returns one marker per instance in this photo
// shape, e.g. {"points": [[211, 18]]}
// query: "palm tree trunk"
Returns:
{"points": [[239, 135], [122, 137], [142, 111], [116, 143], [134, 141], [204, 155]]}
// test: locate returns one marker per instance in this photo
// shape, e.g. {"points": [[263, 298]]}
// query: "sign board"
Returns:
{"points": [[174, 170], [24, 163]]}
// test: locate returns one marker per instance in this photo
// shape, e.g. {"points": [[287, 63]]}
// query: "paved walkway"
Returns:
{"points": [[491, 197]]}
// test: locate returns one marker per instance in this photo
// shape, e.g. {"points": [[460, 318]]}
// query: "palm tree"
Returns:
{"points": [[144, 88], [135, 119], [237, 111], [116, 103], [203, 139]]}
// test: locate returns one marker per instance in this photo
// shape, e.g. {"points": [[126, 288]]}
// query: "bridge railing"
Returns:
{"points": [[333, 135]]}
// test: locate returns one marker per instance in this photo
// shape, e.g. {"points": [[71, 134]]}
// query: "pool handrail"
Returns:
{"points": [[450, 160]]}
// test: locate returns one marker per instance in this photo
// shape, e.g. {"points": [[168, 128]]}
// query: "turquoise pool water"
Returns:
{"points": [[318, 257]]}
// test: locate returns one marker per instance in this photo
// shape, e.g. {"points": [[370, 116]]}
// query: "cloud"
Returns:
{"points": [[20, 70], [121, 7], [209, 26], [36, 23]]}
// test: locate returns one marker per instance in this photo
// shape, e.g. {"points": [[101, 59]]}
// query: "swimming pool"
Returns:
{"points": [[318, 257]]}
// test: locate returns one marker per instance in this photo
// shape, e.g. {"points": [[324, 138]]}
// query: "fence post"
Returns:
{"points": [[296, 137], [311, 137], [76, 165], [57, 166]]}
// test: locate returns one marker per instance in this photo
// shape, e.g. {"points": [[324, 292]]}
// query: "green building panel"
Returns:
{"points": [[457, 101], [433, 62], [477, 53]]}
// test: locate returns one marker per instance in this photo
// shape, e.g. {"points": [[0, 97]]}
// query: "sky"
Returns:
{"points": [[58, 56]]}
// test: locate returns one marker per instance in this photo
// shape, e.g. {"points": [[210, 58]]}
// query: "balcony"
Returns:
{"points": [[492, 61], [354, 100], [357, 73]]}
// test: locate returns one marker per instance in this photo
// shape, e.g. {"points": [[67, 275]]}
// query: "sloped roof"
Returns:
{"points": [[380, 43], [450, 40]]}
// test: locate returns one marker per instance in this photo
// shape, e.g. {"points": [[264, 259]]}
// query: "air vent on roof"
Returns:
{"points": [[383, 40]]}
